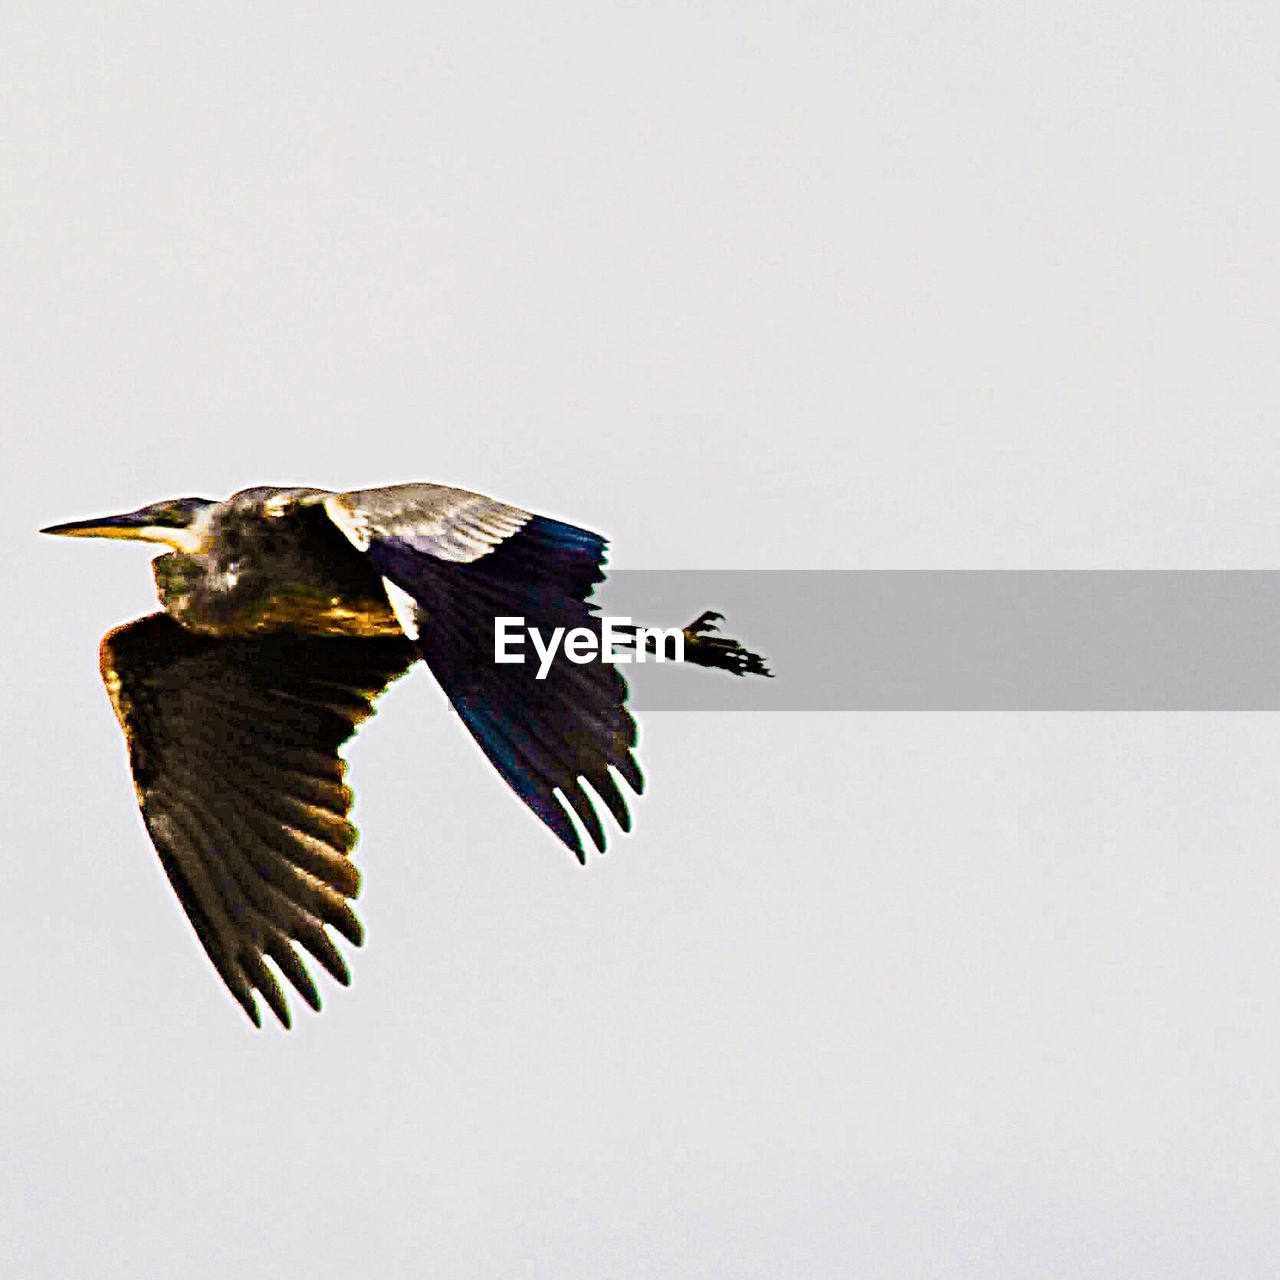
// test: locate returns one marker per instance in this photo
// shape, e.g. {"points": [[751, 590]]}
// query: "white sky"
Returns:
{"points": [[854, 286]]}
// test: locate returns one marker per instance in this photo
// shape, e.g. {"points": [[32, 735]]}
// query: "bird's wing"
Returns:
{"points": [[464, 560], [233, 745]]}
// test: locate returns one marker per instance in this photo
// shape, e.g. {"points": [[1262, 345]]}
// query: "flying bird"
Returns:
{"points": [[287, 611]]}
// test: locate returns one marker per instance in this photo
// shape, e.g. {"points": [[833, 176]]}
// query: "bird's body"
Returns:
{"points": [[274, 560], [286, 612]]}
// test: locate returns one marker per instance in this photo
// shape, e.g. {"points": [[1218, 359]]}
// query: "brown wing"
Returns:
{"points": [[234, 749]]}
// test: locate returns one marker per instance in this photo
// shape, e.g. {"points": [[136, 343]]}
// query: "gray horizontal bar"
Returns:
{"points": [[969, 640]]}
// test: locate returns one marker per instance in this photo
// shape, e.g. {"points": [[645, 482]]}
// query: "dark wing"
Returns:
{"points": [[465, 560], [234, 749]]}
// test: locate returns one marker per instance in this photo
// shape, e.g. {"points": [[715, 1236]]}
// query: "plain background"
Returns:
{"points": [[873, 285]]}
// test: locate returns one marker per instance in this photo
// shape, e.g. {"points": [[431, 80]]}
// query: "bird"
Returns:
{"points": [[286, 612]]}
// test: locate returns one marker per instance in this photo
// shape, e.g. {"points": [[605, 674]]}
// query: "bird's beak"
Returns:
{"points": [[133, 526]]}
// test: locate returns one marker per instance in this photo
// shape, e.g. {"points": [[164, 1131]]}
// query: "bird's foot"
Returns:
{"points": [[704, 647]]}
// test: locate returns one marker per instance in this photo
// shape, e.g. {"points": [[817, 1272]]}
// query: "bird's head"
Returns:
{"points": [[179, 523]]}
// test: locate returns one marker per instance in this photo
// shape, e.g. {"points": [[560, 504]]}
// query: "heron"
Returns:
{"points": [[286, 613]]}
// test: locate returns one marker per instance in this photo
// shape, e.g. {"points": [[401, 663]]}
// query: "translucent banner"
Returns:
{"points": [[967, 640]]}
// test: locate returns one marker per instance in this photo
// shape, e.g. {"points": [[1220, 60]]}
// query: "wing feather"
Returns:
{"points": [[234, 749], [449, 524], [464, 560]]}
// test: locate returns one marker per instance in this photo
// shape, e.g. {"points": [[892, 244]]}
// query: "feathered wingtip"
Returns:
{"points": [[558, 734], [569, 556]]}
